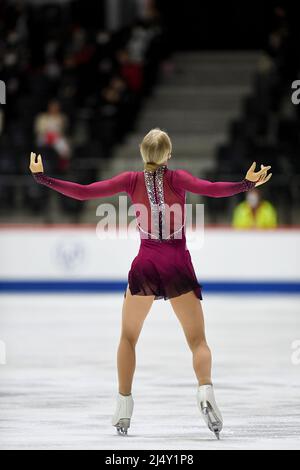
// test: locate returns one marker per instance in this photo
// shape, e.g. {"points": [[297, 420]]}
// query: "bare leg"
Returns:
{"points": [[188, 310], [135, 310]]}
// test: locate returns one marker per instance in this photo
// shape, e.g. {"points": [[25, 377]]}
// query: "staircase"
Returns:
{"points": [[194, 103]]}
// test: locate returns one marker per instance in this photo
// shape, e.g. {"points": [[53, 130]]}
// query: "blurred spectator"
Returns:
{"points": [[254, 212], [50, 129], [131, 70]]}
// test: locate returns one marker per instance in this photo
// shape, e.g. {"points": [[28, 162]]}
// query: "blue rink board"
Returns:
{"points": [[119, 286]]}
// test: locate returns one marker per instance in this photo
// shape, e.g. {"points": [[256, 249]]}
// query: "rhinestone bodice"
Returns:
{"points": [[154, 181]]}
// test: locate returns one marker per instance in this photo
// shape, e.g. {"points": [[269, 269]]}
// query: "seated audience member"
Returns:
{"points": [[50, 129], [254, 212]]}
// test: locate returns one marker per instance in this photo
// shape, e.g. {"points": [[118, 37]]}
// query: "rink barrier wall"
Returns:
{"points": [[71, 259]]}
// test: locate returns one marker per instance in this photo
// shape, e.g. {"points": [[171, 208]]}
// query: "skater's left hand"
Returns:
{"points": [[260, 177], [36, 165]]}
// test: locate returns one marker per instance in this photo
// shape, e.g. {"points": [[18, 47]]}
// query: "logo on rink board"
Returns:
{"points": [[2, 92], [70, 255]]}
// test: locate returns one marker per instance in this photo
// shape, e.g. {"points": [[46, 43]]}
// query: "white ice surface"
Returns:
{"points": [[58, 388]]}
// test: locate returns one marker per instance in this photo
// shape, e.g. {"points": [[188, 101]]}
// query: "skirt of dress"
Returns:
{"points": [[163, 269]]}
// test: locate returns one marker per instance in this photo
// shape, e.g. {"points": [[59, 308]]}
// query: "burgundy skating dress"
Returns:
{"points": [[163, 266]]}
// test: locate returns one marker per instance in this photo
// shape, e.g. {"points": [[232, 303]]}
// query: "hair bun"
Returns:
{"points": [[151, 166]]}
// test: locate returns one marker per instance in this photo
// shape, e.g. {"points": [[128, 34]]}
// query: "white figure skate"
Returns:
{"points": [[123, 414], [208, 407]]}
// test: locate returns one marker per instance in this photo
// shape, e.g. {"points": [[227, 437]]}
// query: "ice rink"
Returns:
{"points": [[59, 385]]}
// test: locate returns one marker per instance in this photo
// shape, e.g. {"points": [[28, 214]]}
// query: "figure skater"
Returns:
{"points": [[163, 267]]}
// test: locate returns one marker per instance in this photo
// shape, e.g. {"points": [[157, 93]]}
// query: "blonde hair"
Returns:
{"points": [[155, 148]]}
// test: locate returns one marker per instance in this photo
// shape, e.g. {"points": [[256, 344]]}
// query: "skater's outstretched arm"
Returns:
{"points": [[117, 184], [184, 180]]}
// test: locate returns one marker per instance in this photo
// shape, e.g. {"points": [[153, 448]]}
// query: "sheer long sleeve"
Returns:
{"points": [[117, 184], [185, 181]]}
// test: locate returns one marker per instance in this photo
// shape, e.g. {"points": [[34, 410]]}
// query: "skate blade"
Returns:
{"points": [[213, 421], [122, 427]]}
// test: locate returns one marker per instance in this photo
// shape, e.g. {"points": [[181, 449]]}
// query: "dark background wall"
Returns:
{"points": [[219, 25]]}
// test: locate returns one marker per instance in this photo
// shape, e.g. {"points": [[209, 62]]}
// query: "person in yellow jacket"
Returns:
{"points": [[254, 212]]}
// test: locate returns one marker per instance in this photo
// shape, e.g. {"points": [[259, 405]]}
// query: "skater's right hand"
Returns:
{"points": [[36, 164], [260, 177]]}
